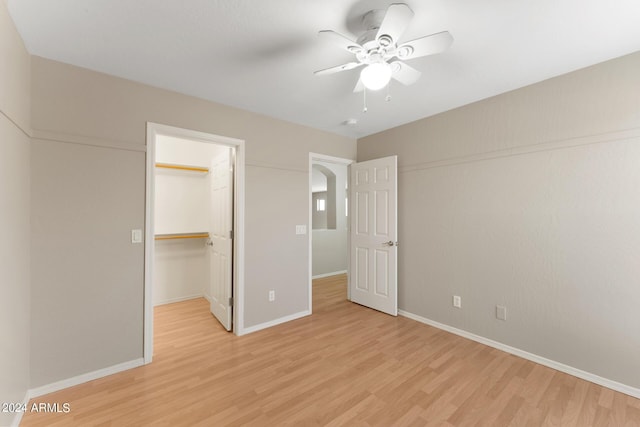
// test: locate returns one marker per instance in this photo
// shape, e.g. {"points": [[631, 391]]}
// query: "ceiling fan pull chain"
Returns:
{"points": [[364, 102], [388, 97]]}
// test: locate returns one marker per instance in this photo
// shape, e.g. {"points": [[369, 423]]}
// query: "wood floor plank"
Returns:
{"points": [[345, 365]]}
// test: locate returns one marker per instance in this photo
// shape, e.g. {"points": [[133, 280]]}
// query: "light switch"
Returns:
{"points": [[136, 236], [301, 229]]}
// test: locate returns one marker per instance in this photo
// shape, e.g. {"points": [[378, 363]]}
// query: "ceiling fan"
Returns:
{"points": [[380, 51]]}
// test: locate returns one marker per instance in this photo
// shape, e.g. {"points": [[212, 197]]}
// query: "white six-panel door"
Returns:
{"points": [[374, 251], [220, 239]]}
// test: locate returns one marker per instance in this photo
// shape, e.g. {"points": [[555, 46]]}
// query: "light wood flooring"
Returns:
{"points": [[345, 365]]}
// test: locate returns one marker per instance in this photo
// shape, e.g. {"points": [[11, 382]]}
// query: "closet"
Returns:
{"points": [[187, 212]]}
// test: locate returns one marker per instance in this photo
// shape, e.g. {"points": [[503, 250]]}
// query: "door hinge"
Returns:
{"points": [[230, 301], [231, 234]]}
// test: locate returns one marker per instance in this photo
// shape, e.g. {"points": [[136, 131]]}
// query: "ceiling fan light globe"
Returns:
{"points": [[376, 76]]}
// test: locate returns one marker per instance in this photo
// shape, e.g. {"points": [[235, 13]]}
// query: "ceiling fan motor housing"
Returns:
{"points": [[373, 49]]}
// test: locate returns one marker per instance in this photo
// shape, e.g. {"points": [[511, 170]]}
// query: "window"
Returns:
{"points": [[320, 205]]}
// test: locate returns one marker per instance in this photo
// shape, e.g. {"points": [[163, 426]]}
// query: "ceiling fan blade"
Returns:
{"points": [[340, 40], [359, 86], [395, 22], [427, 45], [337, 69], [404, 73]]}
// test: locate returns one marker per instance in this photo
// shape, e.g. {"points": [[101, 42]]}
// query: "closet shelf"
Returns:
{"points": [[183, 167], [176, 236]]}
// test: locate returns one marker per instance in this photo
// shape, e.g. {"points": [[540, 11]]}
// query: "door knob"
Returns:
{"points": [[389, 243]]}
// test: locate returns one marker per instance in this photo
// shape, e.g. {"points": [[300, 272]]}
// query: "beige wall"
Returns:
{"points": [[14, 215], [531, 200], [89, 151], [86, 293], [15, 101]]}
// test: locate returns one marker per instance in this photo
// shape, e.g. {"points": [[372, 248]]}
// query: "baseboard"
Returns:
{"points": [[17, 418], [179, 299], [334, 273], [587, 376], [89, 376], [275, 322]]}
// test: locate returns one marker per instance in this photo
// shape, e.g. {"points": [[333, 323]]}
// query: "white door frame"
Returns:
{"points": [[315, 157], [154, 129]]}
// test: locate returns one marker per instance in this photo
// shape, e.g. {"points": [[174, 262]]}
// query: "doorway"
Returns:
{"points": [[194, 224], [328, 217], [372, 230]]}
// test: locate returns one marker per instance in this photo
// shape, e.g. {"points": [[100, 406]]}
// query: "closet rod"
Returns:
{"points": [[181, 236], [181, 167]]}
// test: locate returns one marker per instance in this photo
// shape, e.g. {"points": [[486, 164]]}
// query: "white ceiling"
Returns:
{"points": [[260, 55]]}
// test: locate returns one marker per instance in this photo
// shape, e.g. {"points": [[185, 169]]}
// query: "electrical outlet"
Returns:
{"points": [[272, 296], [457, 301], [501, 312]]}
